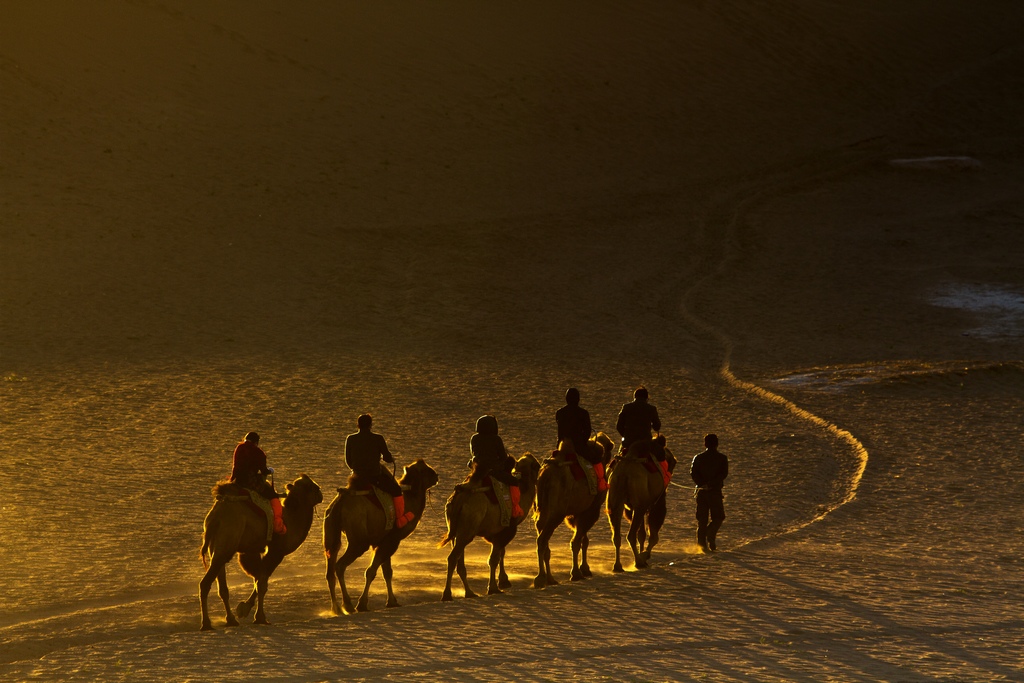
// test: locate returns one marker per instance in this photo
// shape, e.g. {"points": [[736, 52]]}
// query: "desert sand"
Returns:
{"points": [[799, 224]]}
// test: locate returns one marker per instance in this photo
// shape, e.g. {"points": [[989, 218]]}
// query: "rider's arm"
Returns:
{"points": [[385, 453]]}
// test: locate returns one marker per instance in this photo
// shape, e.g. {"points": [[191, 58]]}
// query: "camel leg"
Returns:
{"points": [[615, 518], [243, 608], [352, 553], [460, 567], [634, 528], [222, 591], [332, 562], [577, 547], [503, 582], [544, 577], [387, 572], [269, 564], [456, 554], [582, 523], [655, 519], [497, 553], [641, 534], [216, 571], [584, 565], [363, 605]]}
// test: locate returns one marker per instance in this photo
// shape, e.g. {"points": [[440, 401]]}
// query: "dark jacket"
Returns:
{"points": [[636, 420], [489, 452], [363, 451], [573, 423], [709, 470]]}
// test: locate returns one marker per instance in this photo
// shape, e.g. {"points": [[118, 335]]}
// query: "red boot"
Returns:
{"points": [[513, 492], [664, 472], [602, 483], [401, 516], [279, 527]]}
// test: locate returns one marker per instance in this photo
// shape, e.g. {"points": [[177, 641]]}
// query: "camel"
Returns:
{"points": [[469, 513], [640, 494], [561, 497], [363, 522], [234, 526]]}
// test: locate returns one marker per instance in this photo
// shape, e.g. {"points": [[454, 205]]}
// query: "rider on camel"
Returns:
{"points": [[492, 459], [636, 420], [249, 470], [363, 453], [574, 425]]}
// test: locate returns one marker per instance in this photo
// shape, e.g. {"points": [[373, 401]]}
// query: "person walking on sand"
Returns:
{"points": [[249, 470], [363, 453], [708, 471], [574, 425]]}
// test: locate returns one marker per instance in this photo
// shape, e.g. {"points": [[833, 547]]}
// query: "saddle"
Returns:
{"points": [[579, 467], [497, 493], [239, 494], [379, 498]]}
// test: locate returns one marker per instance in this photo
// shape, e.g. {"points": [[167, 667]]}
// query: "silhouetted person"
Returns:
{"points": [[709, 470], [363, 453], [493, 460], [637, 419], [574, 425], [249, 470]]}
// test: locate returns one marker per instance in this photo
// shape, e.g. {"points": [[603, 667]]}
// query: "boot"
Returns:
{"points": [[513, 492], [401, 516], [602, 483], [279, 527], [666, 475]]}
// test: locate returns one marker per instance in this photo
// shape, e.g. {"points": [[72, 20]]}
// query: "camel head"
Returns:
{"points": [[527, 468], [606, 444], [419, 474], [304, 491]]}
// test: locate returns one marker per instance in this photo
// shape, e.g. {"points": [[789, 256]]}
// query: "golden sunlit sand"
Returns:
{"points": [[799, 225]]}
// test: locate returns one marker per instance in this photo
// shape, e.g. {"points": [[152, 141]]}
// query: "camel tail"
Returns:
{"points": [[202, 553], [332, 529], [452, 510]]}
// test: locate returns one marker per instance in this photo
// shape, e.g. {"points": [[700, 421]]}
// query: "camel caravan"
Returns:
{"points": [[376, 511]]}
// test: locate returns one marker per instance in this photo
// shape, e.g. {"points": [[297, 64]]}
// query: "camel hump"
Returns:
{"points": [[225, 490]]}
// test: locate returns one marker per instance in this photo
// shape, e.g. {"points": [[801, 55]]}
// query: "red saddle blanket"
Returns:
{"points": [[575, 463]]}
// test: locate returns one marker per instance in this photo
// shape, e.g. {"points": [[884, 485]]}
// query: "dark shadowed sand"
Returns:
{"points": [[799, 224]]}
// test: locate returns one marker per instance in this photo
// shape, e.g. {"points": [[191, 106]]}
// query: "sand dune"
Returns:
{"points": [[214, 219]]}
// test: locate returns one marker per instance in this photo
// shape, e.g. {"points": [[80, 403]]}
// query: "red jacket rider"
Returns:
{"points": [[248, 469]]}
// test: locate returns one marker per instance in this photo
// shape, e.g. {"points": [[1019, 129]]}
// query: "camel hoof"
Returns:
{"points": [[494, 590], [391, 603], [336, 610], [540, 581], [504, 583], [552, 581], [362, 607], [618, 568], [231, 623], [585, 571], [261, 619], [243, 609], [576, 575], [471, 594], [207, 626], [446, 597]]}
